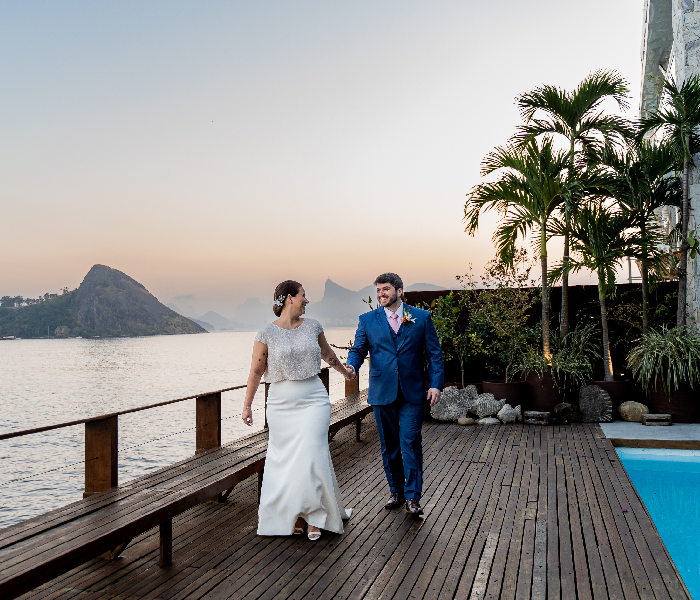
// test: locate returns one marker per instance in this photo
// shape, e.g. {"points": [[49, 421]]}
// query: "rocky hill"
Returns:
{"points": [[108, 303]]}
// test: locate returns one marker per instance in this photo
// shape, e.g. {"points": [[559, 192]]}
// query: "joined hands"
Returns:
{"points": [[350, 372]]}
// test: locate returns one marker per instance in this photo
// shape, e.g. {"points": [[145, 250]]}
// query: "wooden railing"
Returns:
{"points": [[102, 432]]}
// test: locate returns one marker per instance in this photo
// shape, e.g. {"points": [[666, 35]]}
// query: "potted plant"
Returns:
{"points": [[459, 338], [666, 362], [569, 366], [601, 236], [501, 308]]}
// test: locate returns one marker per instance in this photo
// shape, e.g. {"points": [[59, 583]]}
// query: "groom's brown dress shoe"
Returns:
{"points": [[413, 507], [394, 500]]}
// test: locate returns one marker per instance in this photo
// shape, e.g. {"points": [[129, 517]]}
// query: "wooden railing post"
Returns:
{"points": [[325, 378], [352, 387], [208, 422], [208, 430], [101, 455]]}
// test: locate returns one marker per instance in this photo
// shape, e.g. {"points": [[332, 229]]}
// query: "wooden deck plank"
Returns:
{"points": [[519, 511]]}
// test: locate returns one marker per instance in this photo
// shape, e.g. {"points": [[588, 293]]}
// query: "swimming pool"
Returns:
{"points": [[669, 483]]}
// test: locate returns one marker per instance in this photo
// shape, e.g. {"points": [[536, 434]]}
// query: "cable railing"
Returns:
{"points": [[102, 433]]}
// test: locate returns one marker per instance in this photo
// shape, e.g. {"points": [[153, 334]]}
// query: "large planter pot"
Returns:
{"points": [[544, 395], [683, 405], [514, 392], [621, 391]]}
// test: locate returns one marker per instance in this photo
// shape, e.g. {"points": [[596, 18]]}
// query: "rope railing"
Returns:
{"points": [[13, 434], [101, 434]]}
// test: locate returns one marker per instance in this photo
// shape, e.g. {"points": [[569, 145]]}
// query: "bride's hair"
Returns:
{"points": [[284, 289]]}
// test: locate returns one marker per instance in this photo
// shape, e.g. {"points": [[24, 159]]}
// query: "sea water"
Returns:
{"points": [[669, 483], [43, 382]]}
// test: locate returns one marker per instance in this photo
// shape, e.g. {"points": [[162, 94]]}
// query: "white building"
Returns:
{"points": [[671, 45]]}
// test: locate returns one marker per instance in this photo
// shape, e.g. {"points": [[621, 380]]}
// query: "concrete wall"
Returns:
{"points": [[675, 49]]}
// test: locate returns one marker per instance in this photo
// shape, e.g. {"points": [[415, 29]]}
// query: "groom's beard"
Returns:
{"points": [[393, 300]]}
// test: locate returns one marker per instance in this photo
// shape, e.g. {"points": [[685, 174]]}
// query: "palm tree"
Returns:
{"points": [[642, 186], [677, 121], [578, 117], [530, 189], [600, 239]]}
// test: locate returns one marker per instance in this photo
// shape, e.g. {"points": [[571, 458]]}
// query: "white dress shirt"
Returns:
{"points": [[399, 314]]}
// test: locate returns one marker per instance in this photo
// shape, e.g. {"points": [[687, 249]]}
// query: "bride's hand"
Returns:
{"points": [[349, 373], [247, 416]]}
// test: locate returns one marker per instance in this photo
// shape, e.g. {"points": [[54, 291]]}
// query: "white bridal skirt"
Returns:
{"points": [[299, 480]]}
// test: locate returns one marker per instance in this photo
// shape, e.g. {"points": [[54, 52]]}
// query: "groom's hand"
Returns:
{"points": [[353, 374], [433, 396]]}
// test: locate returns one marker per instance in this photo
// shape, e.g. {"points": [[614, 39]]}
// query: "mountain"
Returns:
{"points": [[426, 287], [108, 303], [220, 323], [253, 314], [341, 307]]}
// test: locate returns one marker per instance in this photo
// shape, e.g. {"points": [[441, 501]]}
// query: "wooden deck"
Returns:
{"points": [[512, 512]]}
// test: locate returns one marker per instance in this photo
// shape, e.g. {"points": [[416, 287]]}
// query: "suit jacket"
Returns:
{"points": [[398, 357]]}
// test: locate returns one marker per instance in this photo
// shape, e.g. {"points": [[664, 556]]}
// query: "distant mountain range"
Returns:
{"points": [[212, 321], [108, 303], [339, 307]]}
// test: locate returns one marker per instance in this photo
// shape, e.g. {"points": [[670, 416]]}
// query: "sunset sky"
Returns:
{"points": [[211, 149]]}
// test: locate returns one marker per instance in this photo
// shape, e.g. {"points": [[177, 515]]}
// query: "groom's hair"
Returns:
{"points": [[391, 278]]}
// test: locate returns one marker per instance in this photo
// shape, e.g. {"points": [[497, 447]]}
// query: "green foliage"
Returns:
{"points": [[666, 357], [458, 341], [31, 321], [572, 357], [576, 115], [501, 309]]}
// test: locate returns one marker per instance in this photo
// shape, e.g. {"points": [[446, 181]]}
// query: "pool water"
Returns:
{"points": [[669, 483]]}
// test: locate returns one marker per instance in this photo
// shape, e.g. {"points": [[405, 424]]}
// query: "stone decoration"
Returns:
{"points": [[566, 413], [486, 405], [466, 421], [470, 392], [595, 405], [508, 414], [632, 411], [536, 417], [488, 421], [453, 404]]}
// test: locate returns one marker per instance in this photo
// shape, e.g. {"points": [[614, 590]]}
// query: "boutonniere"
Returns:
{"points": [[407, 317]]}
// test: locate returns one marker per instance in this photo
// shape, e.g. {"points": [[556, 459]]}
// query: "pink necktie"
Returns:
{"points": [[395, 322]]}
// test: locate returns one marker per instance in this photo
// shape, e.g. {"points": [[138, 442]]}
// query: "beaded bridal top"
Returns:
{"points": [[292, 354]]}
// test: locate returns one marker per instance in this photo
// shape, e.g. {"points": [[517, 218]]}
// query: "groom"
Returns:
{"points": [[397, 336]]}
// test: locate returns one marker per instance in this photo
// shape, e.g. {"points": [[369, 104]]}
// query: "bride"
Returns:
{"points": [[299, 485]]}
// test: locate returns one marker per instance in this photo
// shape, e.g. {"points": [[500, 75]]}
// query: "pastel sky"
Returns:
{"points": [[214, 148]]}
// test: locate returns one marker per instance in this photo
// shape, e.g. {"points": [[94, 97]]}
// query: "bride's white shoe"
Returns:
{"points": [[314, 535]]}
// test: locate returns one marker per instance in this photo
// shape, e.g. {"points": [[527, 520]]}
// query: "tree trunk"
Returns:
{"points": [[545, 296], [607, 362], [564, 319], [645, 297], [682, 268], [461, 366]]}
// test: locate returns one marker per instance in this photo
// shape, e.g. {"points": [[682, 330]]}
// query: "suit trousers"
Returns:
{"points": [[400, 424]]}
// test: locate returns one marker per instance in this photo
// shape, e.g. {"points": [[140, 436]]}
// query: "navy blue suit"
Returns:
{"points": [[397, 389]]}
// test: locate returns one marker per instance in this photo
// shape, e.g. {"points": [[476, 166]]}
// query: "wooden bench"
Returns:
{"points": [[39, 549]]}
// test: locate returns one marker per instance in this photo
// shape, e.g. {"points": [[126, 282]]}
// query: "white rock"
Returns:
{"points": [[486, 405], [488, 421], [508, 414], [453, 404]]}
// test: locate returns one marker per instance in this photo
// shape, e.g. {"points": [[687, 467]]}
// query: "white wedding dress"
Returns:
{"points": [[299, 479]]}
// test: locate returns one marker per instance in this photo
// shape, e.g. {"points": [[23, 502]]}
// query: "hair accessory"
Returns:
{"points": [[279, 301]]}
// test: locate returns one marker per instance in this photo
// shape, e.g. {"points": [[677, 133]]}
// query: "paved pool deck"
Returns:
{"points": [[635, 435]]}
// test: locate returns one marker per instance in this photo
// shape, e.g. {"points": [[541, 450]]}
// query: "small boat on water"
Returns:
{"points": [[8, 337]]}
